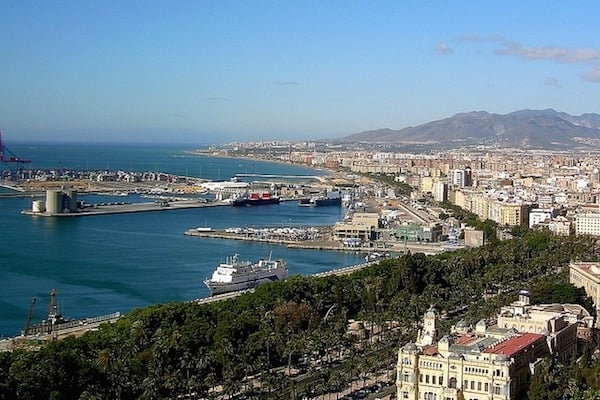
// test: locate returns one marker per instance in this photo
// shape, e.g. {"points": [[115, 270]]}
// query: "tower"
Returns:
{"points": [[430, 333]]}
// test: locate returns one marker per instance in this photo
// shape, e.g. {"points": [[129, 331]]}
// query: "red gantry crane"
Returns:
{"points": [[13, 162]]}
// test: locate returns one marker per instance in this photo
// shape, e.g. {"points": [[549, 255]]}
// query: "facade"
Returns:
{"points": [[538, 215], [587, 276], [587, 223], [460, 177], [486, 362], [468, 366], [474, 238], [557, 322], [439, 191]]}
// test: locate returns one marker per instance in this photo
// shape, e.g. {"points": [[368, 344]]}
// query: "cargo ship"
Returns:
{"points": [[329, 199], [255, 199], [233, 274]]}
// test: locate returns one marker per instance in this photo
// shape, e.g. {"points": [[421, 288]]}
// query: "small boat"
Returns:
{"points": [[234, 274]]}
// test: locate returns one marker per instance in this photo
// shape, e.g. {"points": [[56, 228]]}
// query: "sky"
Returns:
{"points": [[217, 71]]}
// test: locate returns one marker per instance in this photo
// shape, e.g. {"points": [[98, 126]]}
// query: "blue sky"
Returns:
{"points": [[214, 71]]}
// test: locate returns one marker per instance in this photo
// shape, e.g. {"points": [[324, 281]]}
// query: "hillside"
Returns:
{"points": [[525, 128]]}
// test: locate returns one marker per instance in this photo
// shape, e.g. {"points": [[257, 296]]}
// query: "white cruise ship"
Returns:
{"points": [[235, 275]]}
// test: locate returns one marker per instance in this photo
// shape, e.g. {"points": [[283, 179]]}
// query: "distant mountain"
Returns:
{"points": [[524, 128]]}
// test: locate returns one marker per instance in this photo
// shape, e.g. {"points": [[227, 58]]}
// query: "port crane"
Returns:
{"points": [[29, 316], [8, 158]]}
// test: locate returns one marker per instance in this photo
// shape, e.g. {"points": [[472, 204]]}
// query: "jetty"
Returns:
{"points": [[317, 238], [123, 208]]}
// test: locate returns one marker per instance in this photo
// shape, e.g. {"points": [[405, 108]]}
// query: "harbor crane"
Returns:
{"points": [[29, 316], [12, 161]]}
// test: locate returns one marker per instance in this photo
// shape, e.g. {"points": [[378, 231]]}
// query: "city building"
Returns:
{"points": [[474, 238], [587, 275], [587, 223], [538, 215], [487, 362], [439, 191], [460, 177]]}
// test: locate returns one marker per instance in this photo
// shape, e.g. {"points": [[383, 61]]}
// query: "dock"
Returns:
{"points": [[124, 208], [300, 238], [42, 334]]}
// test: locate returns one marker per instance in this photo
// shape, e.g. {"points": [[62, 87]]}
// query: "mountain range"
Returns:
{"points": [[544, 129]]}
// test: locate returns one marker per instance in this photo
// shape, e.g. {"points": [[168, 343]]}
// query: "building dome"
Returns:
{"points": [[410, 346]]}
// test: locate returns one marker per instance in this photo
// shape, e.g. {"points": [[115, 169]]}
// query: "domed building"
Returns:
{"points": [[493, 360]]}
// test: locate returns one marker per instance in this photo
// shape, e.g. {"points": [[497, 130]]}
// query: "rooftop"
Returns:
{"points": [[515, 344]]}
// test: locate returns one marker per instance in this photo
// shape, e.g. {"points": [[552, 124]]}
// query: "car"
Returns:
{"points": [[375, 388], [360, 394]]}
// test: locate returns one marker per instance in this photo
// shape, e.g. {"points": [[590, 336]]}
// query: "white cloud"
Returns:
{"points": [[550, 81], [552, 53], [593, 75], [443, 48], [558, 54]]}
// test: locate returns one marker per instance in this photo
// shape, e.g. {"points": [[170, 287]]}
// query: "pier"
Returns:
{"points": [[273, 176], [42, 333], [316, 238], [312, 238], [123, 208]]}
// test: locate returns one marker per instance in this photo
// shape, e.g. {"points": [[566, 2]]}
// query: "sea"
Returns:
{"points": [[103, 264]]}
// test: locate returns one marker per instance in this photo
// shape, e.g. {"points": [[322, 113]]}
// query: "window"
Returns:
{"points": [[479, 386], [441, 380], [405, 395]]}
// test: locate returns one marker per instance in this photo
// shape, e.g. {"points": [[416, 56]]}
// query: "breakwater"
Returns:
{"points": [[124, 208]]}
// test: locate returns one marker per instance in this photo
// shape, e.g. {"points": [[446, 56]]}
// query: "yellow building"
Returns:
{"points": [[486, 362], [469, 366], [513, 214], [427, 184], [587, 276], [363, 227], [480, 206]]}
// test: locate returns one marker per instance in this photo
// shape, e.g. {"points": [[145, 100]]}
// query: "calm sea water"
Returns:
{"points": [[103, 264]]}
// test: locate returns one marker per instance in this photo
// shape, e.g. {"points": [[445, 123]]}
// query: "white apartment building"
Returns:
{"points": [[537, 215], [587, 223]]}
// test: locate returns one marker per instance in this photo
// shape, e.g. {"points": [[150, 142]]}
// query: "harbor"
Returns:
{"points": [[313, 238]]}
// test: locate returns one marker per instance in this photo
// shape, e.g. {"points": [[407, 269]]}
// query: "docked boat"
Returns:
{"points": [[234, 274], [329, 199], [255, 199]]}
